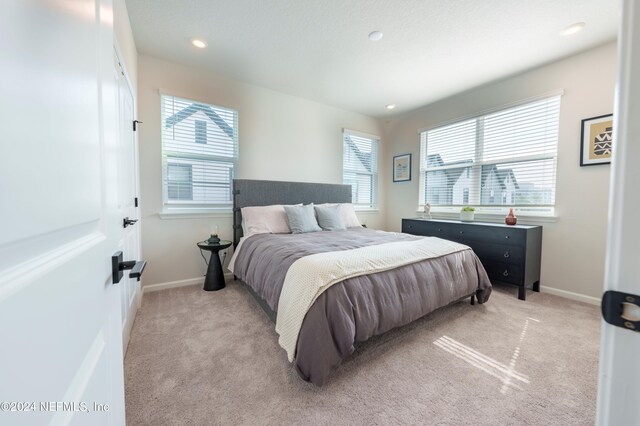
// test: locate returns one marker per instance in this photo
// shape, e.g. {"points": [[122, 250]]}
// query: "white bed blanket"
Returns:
{"points": [[312, 275]]}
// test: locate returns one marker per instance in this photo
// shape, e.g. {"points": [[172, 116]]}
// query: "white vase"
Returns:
{"points": [[466, 216]]}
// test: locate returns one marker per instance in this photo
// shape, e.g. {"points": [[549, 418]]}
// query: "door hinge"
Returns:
{"points": [[621, 309], [135, 124], [135, 201]]}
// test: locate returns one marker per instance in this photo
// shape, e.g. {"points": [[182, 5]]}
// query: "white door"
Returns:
{"points": [[60, 329], [619, 381], [130, 293]]}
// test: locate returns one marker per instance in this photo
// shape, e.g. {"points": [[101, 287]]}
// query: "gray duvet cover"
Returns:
{"points": [[357, 308]]}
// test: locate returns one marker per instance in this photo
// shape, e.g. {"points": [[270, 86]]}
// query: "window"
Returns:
{"points": [[360, 167], [199, 153], [506, 158]]}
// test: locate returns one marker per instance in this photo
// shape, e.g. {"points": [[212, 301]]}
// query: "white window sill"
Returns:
{"points": [[194, 213], [493, 217], [366, 210]]}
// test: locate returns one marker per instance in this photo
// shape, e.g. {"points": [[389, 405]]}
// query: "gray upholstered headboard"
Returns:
{"points": [[248, 193]]}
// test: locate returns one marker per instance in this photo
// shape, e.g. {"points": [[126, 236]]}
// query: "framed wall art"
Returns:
{"points": [[402, 168], [596, 140]]}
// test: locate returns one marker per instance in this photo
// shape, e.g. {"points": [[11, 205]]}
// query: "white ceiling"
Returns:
{"points": [[319, 49]]}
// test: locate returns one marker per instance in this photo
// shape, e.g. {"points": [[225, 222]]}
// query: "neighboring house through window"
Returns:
{"points": [[506, 158], [360, 167], [199, 153]]}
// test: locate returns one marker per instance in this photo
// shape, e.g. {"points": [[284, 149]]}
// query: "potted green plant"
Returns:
{"points": [[467, 213]]}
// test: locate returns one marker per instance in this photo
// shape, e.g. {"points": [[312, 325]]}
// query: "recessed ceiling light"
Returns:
{"points": [[199, 43], [375, 35], [390, 106], [573, 28]]}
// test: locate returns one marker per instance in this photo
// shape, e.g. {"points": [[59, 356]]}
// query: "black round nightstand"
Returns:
{"points": [[215, 278]]}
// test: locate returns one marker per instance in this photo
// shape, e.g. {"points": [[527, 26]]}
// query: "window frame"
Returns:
{"points": [[177, 208], [374, 173], [490, 212]]}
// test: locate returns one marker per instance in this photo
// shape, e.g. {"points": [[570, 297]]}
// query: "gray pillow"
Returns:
{"points": [[330, 218], [302, 219]]}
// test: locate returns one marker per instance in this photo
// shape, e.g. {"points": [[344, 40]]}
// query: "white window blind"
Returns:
{"points": [[506, 158], [360, 167], [199, 153]]}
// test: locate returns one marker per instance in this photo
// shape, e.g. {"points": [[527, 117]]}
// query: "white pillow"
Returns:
{"points": [[349, 216], [265, 220], [348, 213]]}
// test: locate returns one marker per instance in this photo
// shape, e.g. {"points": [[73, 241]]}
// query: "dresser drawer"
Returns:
{"points": [[427, 228], [487, 234], [504, 272], [512, 255]]}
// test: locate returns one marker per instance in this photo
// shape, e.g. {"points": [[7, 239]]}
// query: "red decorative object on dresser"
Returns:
{"points": [[511, 218]]}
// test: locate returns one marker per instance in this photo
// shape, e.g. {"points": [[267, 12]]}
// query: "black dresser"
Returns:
{"points": [[510, 254]]}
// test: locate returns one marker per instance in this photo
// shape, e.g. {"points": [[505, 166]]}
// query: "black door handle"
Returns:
{"points": [[126, 222], [138, 269], [118, 266]]}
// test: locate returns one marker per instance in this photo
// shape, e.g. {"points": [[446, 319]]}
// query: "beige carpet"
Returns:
{"points": [[201, 358]]}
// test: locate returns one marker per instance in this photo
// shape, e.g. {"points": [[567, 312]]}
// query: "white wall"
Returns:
{"points": [[574, 245], [281, 137]]}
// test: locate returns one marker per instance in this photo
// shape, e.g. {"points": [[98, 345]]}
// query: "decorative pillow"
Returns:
{"points": [[330, 218], [264, 220], [302, 219], [349, 216]]}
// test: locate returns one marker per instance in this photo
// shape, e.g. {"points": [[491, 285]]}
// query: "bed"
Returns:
{"points": [[319, 328]]}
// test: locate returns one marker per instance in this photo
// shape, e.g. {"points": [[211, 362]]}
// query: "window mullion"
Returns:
{"points": [[198, 157], [476, 170], [520, 159]]}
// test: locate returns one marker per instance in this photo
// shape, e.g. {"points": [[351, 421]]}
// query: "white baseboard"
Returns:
{"points": [[179, 283], [571, 295], [172, 284]]}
